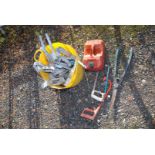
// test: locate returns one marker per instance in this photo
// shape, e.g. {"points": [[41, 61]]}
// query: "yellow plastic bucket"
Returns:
{"points": [[76, 74]]}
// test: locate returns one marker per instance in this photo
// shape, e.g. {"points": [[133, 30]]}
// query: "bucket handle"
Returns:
{"points": [[36, 53]]}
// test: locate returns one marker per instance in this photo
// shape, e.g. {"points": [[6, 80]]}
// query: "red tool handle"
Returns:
{"points": [[109, 88], [89, 113]]}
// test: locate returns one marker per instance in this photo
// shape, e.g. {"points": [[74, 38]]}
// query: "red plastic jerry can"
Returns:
{"points": [[94, 54]]}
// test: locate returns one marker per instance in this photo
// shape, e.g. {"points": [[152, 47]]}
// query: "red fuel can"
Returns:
{"points": [[94, 54]]}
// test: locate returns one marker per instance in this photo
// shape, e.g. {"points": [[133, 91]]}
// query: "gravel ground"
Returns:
{"points": [[23, 104]]}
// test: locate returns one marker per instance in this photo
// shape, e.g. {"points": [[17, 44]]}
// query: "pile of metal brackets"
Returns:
{"points": [[60, 63]]}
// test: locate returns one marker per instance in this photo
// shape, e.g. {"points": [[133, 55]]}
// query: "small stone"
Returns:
{"points": [[153, 122], [120, 110], [46, 127], [45, 106], [79, 101], [124, 121], [130, 98], [131, 38], [98, 121], [136, 72], [86, 100], [33, 110], [21, 88], [153, 62], [144, 82], [141, 67]]}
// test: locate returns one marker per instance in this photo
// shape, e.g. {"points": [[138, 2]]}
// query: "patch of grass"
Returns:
{"points": [[2, 39]]}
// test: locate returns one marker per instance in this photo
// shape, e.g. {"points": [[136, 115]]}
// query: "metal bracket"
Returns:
{"points": [[97, 95]]}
